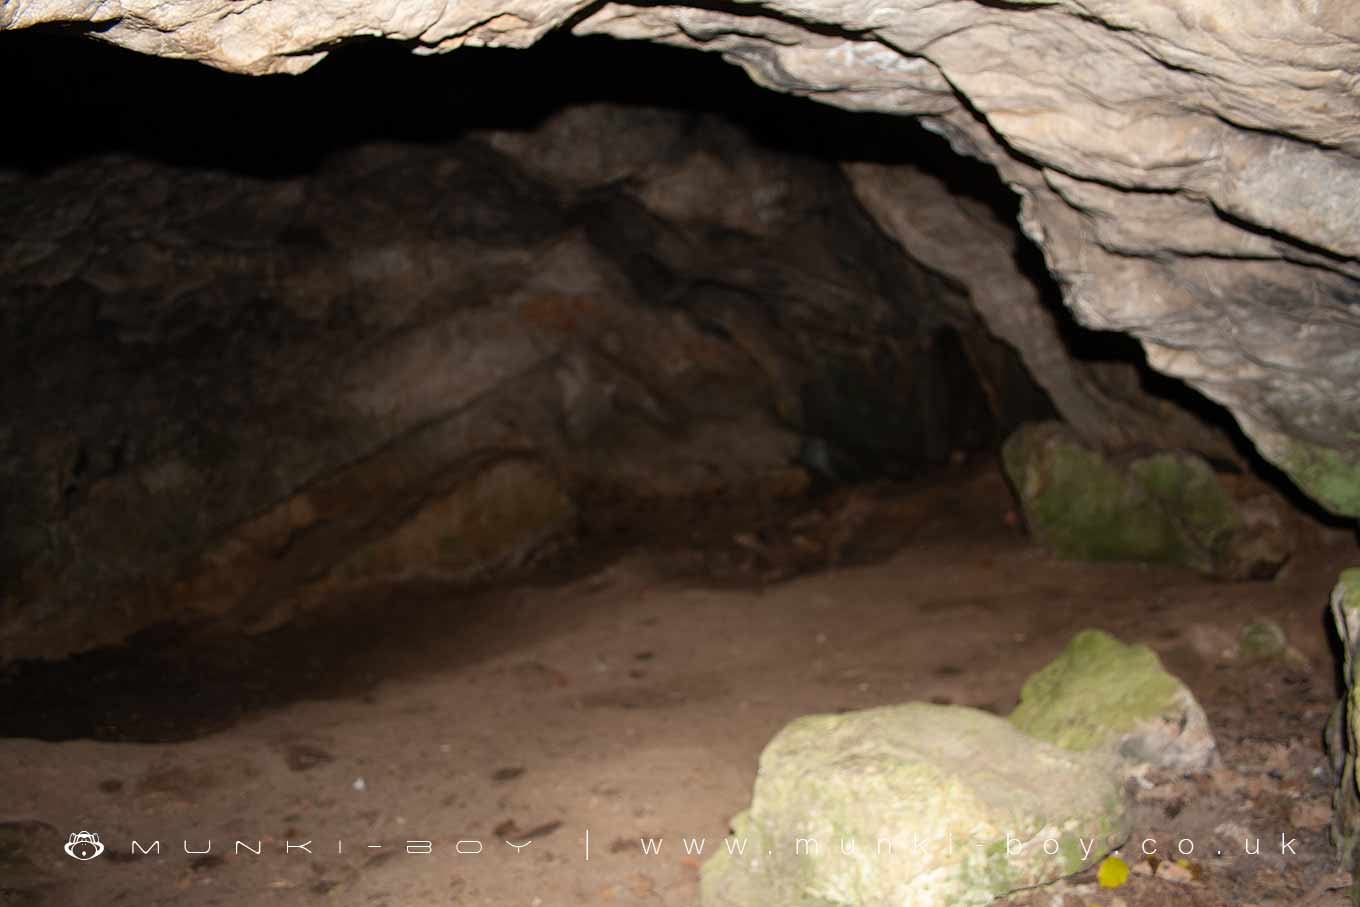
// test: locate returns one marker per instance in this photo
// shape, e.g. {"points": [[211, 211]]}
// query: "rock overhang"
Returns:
{"points": [[1185, 168]]}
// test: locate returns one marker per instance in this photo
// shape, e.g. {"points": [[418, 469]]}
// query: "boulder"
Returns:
{"points": [[1101, 695], [1343, 730], [914, 805], [1163, 506], [1262, 639]]}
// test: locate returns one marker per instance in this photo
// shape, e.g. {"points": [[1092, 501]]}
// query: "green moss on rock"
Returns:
{"points": [[1101, 694], [1262, 639], [1096, 688], [1185, 489], [1330, 477], [1343, 730], [1348, 586], [1167, 506], [1080, 505]]}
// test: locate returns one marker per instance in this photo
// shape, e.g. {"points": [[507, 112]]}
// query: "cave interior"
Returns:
{"points": [[491, 446]]}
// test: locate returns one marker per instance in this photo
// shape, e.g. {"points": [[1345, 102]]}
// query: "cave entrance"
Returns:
{"points": [[508, 437]]}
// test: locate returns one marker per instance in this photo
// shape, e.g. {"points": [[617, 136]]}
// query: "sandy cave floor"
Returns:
{"points": [[631, 699]]}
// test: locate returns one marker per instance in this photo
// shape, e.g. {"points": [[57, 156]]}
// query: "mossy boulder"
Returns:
{"points": [[914, 805], [1265, 640], [1343, 731], [1262, 639], [1102, 695], [1165, 506]]}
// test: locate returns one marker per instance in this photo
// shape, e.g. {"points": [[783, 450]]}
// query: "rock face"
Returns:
{"points": [[1102, 695], [1166, 506], [914, 805], [1186, 168], [1102, 401], [230, 398], [1343, 731]]}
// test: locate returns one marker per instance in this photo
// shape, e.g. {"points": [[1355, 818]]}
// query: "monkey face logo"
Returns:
{"points": [[84, 846]]}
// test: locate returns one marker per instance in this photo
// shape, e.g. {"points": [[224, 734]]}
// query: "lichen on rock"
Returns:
{"points": [[1343, 730], [913, 805], [1102, 695]]}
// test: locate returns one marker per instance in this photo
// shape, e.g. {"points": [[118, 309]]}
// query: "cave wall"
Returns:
{"points": [[1188, 168], [233, 398]]}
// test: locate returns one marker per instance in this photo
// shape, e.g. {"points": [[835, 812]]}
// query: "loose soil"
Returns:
{"points": [[629, 696]]}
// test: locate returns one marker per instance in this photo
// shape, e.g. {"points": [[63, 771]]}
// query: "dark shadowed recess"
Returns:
{"points": [[86, 97], [157, 688]]}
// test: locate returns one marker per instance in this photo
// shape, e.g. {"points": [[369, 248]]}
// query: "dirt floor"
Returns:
{"points": [[630, 701]]}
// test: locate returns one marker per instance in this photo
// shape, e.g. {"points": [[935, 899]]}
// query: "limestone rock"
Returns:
{"points": [[1166, 506], [882, 793], [1203, 153], [1343, 730], [1102, 695], [965, 238]]}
